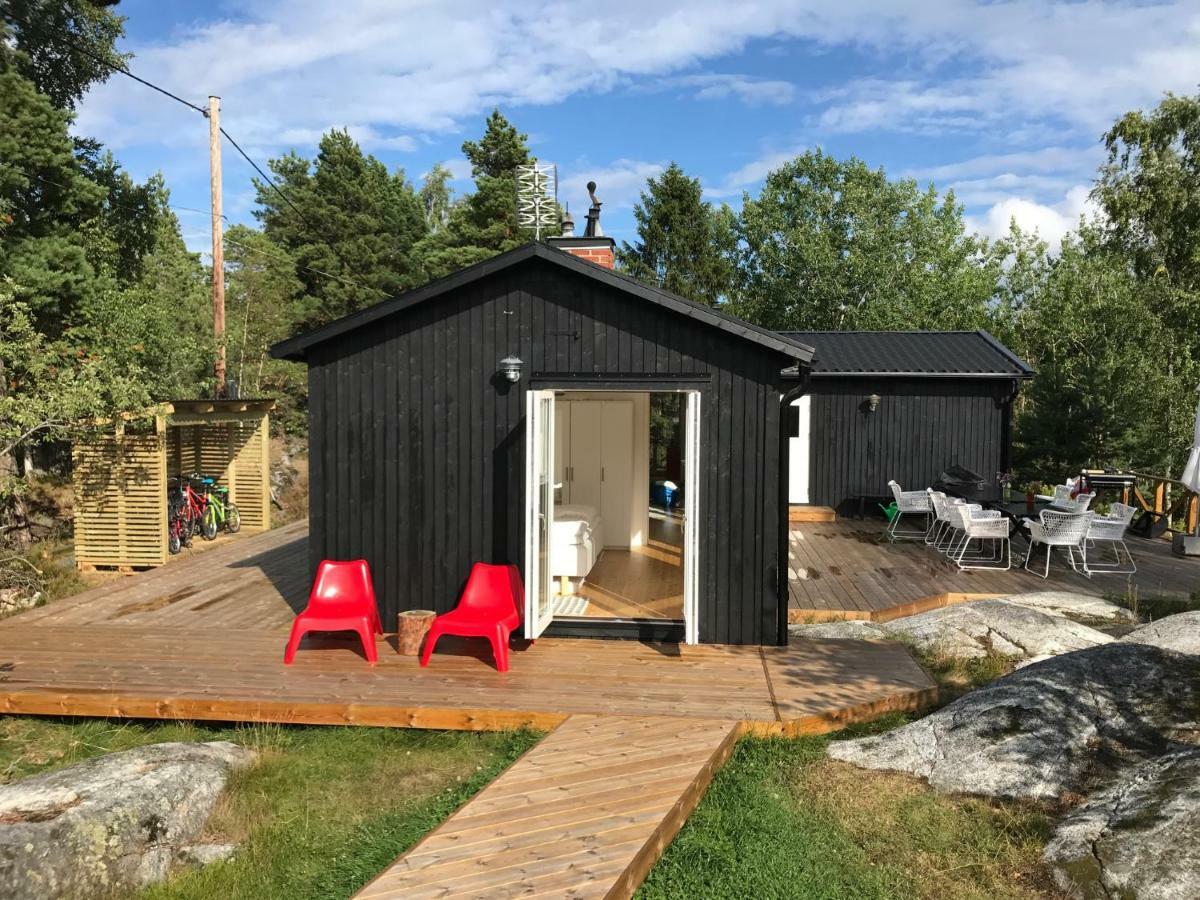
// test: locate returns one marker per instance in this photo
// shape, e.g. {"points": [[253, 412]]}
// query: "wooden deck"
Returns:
{"points": [[636, 729], [585, 813], [203, 638], [844, 569]]}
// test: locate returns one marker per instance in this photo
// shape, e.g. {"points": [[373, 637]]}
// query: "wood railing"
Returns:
{"points": [[1169, 503]]}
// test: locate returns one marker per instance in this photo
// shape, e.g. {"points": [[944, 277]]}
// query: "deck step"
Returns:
{"points": [[798, 512], [585, 813]]}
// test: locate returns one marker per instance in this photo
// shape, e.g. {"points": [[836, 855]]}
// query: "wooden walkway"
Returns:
{"points": [[586, 813], [844, 569]]}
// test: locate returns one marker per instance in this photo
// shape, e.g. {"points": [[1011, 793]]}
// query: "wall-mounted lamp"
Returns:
{"points": [[873, 403], [510, 368]]}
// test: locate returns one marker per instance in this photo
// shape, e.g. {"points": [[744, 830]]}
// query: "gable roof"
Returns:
{"points": [[295, 347], [963, 354]]}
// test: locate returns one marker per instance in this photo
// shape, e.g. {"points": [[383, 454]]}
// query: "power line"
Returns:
{"points": [[67, 39], [122, 69]]}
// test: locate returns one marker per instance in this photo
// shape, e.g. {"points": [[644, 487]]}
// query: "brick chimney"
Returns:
{"points": [[593, 246]]}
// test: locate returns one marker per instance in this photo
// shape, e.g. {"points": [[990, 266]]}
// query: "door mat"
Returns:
{"points": [[572, 605]]}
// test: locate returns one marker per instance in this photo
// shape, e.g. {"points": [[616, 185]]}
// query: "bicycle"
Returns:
{"points": [[218, 510], [179, 523]]}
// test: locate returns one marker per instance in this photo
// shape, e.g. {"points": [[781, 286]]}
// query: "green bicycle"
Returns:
{"points": [[219, 511]]}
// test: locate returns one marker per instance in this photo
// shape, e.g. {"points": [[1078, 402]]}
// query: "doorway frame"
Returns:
{"points": [[693, 389]]}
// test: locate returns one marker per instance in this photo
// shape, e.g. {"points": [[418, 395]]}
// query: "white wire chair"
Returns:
{"points": [[1058, 528], [909, 503], [991, 529], [1062, 500], [944, 530], [1110, 530]]}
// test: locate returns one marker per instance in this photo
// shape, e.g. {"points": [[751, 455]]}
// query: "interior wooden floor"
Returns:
{"points": [[643, 582], [844, 569], [203, 638], [585, 813]]}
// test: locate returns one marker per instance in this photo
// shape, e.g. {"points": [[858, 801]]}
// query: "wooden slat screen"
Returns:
{"points": [[120, 500]]}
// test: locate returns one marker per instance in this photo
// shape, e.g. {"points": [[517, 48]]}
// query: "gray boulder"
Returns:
{"points": [[1180, 632], [850, 629], [1138, 838], [1072, 605], [994, 626], [111, 824], [1061, 726]]}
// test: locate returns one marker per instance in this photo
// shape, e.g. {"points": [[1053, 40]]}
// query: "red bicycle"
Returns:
{"points": [[186, 513]]}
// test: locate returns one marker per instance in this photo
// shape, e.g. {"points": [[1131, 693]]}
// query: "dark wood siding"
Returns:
{"points": [[418, 448], [920, 427]]}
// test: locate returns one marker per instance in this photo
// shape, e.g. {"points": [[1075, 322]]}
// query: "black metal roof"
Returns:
{"points": [[962, 354], [295, 347]]}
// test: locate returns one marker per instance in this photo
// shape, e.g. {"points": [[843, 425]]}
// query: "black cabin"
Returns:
{"points": [[899, 405], [422, 409]]}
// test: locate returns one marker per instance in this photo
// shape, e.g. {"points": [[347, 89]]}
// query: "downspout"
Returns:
{"points": [[1006, 425], [789, 396]]}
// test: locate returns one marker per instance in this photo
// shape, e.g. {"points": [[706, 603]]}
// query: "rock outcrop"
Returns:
{"points": [[112, 824], [1180, 632], [1138, 838], [1055, 728], [973, 630]]}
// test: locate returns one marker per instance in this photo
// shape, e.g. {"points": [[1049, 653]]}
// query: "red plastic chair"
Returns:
{"points": [[490, 607], [342, 599]]}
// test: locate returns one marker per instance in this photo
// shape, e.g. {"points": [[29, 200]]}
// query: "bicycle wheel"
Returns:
{"points": [[208, 525], [175, 536], [233, 519]]}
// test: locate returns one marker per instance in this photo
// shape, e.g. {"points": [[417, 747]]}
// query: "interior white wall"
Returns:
{"points": [[798, 455], [639, 487]]}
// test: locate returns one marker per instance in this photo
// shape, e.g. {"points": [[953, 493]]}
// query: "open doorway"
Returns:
{"points": [[616, 532]]}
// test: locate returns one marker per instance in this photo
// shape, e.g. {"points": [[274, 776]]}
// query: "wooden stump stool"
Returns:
{"points": [[411, 628]]}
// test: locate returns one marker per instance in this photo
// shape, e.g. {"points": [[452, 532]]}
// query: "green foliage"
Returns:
{"points": [[261, 307], [437, 198], [54, 45], [484, 223], [47, 388], [350, 226], [833, 244], [47, 200], [683, 245], [1100, 397]]}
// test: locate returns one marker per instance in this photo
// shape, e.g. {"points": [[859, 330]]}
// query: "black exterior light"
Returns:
{"points": [[873, 403], [510, 368]]}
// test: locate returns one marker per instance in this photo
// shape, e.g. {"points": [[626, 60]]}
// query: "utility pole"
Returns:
{"points": [[218, 243]]}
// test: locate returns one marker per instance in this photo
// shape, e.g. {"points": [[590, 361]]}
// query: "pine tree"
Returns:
{"points": [[47, 201], [351, 227], [684, 245], [485, 222]]}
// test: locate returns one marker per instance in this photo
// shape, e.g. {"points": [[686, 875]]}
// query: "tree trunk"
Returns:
{"points": [[16, 514]]}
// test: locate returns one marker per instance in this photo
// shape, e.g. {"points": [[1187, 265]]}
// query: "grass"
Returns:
{"points": [[957, 674], [781, 820], [1152, 607], [323, 810]]}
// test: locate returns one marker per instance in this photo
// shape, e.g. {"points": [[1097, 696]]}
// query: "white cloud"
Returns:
{"points": [[752, 91], [619, 185], [751, 173], [425, 66], [1050, 221]]}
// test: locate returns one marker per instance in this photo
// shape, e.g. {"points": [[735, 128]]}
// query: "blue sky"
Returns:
{"points": [[1004, 102]]}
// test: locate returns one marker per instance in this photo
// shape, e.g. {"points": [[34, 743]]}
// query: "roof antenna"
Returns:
{"points": [[592, 229]]}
